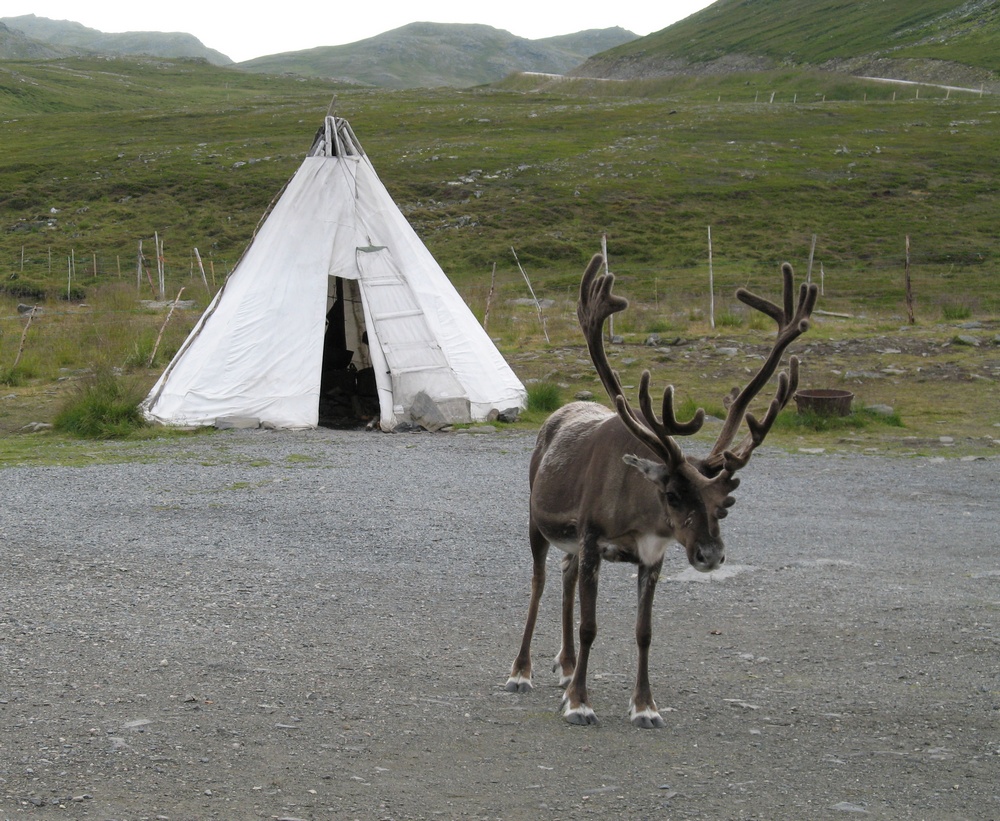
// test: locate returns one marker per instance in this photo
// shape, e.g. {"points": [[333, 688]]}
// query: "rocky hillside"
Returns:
{"points": [[426, 55], [946, 41], [15, 45], [31, 37]]}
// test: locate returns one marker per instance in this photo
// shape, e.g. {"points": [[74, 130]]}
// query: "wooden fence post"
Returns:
{"points": [[711, 282], [489, 297], [909, 284]]}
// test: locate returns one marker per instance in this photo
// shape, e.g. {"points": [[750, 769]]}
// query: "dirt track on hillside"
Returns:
{"points": [[319, 625]]}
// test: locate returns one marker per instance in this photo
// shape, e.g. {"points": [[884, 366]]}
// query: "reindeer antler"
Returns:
{"points": [[596, 304], [793, 321]]}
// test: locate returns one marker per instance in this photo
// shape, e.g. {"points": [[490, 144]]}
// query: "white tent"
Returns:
{"points": [[336, 297]]}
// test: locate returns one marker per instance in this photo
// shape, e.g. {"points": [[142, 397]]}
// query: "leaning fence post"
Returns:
{"points": [[201, 268], [24, 335], [163, 327], [489, 297], [538, 306]]}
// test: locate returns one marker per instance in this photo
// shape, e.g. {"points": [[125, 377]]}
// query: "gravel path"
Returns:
{"points": [[319, 625]]}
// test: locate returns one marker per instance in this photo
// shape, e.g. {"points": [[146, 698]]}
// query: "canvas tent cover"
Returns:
{"points": [[258, 350]]}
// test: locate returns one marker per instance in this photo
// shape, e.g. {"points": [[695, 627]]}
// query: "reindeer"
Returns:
{"points": [[615, 486]]}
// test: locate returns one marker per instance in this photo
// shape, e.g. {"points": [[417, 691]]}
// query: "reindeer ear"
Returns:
{"points": [[656, 472]]}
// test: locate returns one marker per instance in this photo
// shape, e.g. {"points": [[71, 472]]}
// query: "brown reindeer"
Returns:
{"points": [[616, 487]]}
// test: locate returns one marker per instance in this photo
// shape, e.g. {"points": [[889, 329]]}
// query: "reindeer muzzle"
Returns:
{"points": [[707, 556]]}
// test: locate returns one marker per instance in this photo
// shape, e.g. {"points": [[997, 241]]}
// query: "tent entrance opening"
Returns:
{"points": [[348, 397]]}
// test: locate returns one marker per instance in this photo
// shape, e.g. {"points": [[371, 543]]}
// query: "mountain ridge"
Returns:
{"points": [[68, 38], [949, 42], [419, 54], [424, 54]]}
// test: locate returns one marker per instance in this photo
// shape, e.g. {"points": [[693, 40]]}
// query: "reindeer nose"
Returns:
{"points": [[709, 557]]}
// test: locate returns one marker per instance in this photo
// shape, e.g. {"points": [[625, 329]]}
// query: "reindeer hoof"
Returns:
{"points": [[647, 719], [581, 715], [518, 684]]}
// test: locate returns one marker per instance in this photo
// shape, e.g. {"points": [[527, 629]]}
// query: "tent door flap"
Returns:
{"points": [[416, 363]]}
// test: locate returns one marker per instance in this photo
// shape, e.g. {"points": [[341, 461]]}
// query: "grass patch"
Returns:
{"points": [[544, 397], [792, 421], [686, 408], [729, 320], [952, 312], [105, 407], [659, 326], [11, 377]]}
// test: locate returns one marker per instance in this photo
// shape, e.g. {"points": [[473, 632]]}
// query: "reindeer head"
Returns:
{"points": [[696, 493], [693, 504]]}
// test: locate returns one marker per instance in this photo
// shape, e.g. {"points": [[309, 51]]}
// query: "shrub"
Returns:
{"points": [[105, 407]]}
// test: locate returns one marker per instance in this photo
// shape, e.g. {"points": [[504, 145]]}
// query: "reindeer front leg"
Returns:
{"points": [[565, 662], [642, 710], [576, 707]]}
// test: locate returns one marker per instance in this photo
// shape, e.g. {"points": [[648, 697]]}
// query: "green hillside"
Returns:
{"points": [[99, 85], [821, 32], [196, 153]]}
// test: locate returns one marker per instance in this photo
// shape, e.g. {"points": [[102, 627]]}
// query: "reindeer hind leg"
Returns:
{"points": [[520, 672], [576, 704]]}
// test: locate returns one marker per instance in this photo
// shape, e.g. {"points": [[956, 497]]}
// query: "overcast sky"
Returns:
{"points": [[241, 33]]}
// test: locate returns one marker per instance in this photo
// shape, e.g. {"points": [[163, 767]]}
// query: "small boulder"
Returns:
{"points": [[237, 423], [425, 413]]}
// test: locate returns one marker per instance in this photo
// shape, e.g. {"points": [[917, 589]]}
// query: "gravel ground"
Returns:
{"points": [[319, 625]]}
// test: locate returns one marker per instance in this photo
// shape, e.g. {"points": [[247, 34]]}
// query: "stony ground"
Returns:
{"points": [[319, 625]]}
